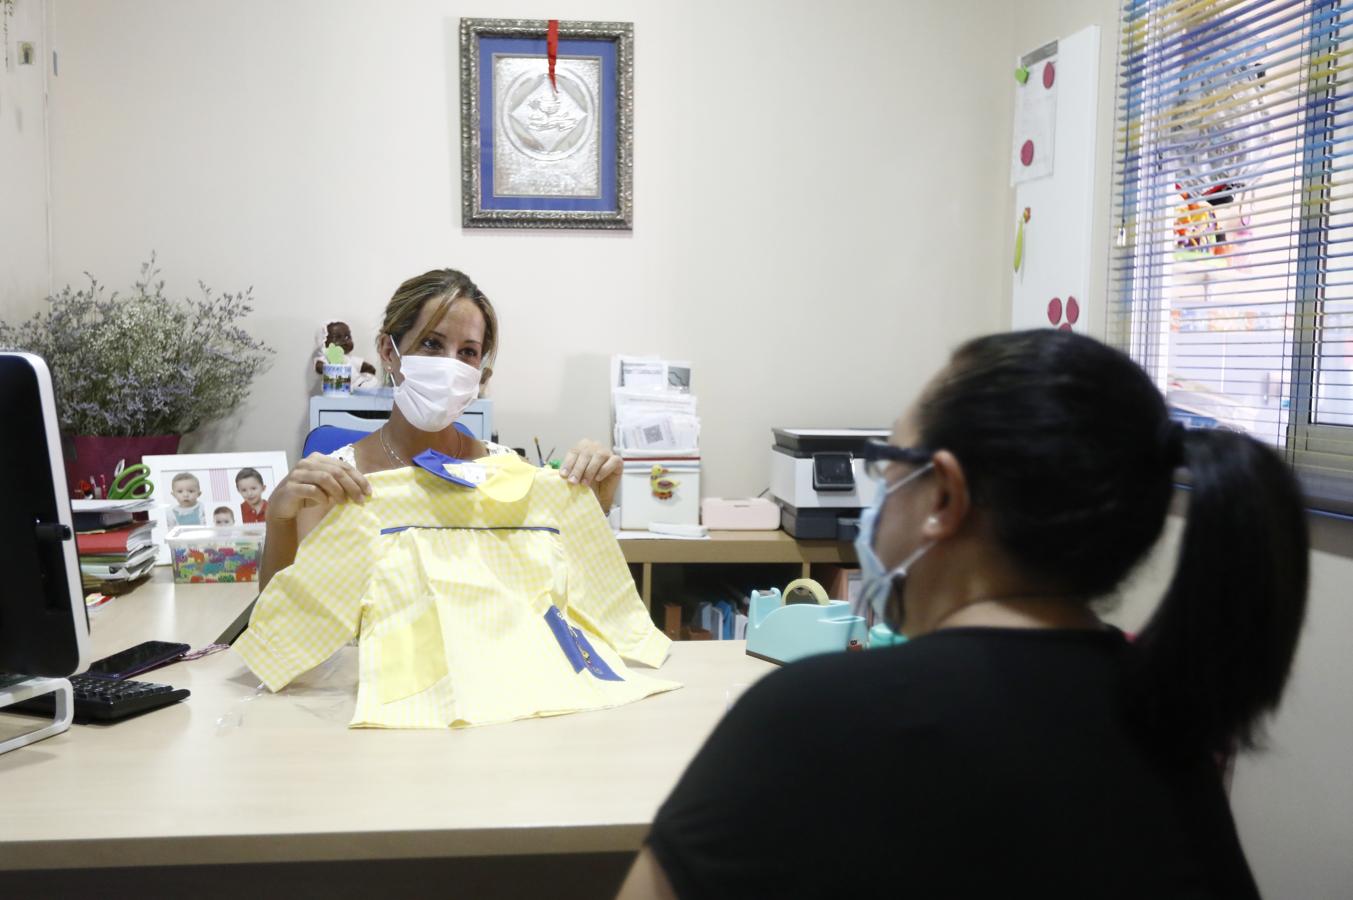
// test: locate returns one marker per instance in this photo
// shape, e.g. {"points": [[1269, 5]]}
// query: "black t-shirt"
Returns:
{"points": [[972, 762]]}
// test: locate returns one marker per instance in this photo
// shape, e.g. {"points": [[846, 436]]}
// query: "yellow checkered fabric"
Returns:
{"points": [[467, 610]]}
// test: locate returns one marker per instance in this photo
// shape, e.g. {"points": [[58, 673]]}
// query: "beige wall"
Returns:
{"points": [[813, 184], [812, 231], [23, 168], [1292, 802]]}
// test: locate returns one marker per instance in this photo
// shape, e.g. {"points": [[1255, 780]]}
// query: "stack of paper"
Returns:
{"points": [[653, 406], [113, 546], [93, 515]]}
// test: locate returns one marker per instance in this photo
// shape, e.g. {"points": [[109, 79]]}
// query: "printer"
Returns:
{"points": [[817, 478]]}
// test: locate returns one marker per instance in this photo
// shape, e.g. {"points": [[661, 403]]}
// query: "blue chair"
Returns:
{"points": [[328, 438]]}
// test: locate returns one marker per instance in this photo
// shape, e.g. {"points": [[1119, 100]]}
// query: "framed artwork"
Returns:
{"points": [[212, 489], [546, 124]]}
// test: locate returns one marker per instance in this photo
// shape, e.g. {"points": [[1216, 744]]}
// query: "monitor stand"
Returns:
{"points": [[16, 689]]}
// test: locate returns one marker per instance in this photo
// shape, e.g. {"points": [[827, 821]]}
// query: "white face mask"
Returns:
{"points": [[435, 389]]}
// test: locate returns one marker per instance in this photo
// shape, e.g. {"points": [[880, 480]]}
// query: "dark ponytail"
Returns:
{"points": [[1218, 650], [1069, 449]]}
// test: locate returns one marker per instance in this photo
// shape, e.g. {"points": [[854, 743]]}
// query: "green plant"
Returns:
{"points": [[142, 364]]}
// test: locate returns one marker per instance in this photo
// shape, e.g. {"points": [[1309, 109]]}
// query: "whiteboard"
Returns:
{"points": [[1056, 257]]}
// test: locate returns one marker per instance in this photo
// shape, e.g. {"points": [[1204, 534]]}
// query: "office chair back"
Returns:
{"points": [[328, 438]]}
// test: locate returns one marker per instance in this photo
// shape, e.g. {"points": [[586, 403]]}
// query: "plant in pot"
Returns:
{"points": [[135, 372]]}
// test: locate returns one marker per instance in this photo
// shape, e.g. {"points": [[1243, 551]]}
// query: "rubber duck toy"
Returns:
{"points": [[661, 485]]}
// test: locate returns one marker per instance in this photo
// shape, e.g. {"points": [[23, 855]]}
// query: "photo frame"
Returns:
{"points": [[218, 480], [537, 155]]}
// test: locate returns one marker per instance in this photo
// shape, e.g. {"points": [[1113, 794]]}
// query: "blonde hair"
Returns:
{"points": [[185, 476], [444, 287]]}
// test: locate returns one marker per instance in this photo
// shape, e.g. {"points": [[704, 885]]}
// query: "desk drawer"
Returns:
{"points": [[475, 419]]}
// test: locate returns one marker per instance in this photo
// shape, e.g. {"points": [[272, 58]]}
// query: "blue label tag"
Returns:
{"points": [[579, 650]]}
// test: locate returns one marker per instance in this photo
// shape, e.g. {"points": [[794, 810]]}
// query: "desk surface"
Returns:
{"points": [[236, 774]]}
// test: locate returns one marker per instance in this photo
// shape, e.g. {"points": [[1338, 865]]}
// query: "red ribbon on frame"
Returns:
{"points": [[552, 50]]}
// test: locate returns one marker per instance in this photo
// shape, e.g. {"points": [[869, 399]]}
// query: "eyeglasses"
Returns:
{"points": [[877, 454]]}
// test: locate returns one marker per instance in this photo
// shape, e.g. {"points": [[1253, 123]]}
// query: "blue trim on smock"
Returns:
{"points": [[395, 529], [435, 463]]}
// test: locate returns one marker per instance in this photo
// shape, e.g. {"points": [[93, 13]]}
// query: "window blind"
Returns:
{"points": [[1231, 276]]}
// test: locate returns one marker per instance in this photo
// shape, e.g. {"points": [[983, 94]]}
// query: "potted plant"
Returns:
{"points": [[133, 373]]}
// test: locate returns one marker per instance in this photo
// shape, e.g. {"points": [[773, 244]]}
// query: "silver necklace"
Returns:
{"points": [[392, 454], [401, 460]]}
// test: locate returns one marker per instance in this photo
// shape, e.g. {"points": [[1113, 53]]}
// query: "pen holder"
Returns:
{"points": [[90, 457], [337, 379]]}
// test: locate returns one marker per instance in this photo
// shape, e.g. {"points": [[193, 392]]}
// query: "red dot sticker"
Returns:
{"points": [[1055, 310], [1049, 75], [1026, 153], [1065, 326], [1073, 310]]}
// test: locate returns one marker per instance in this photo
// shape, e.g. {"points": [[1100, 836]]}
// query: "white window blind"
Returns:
{"points": [[1232, 269]]}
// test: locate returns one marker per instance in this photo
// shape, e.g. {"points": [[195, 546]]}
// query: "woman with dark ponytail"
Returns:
{"points": [[1218, 650], [1016, 746]]}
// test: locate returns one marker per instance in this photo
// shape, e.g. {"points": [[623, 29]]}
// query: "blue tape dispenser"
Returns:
{"points": [[781, 630]]}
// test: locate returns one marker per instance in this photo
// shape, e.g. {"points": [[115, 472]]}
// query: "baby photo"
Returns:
{"points": [[187, 491], [213, 490], [223, 491]]}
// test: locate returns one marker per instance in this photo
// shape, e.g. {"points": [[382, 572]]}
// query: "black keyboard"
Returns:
{"points": [[105, 700]]}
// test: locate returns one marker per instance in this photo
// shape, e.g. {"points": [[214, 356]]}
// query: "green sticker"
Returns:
{"points": [[1022, 74]]}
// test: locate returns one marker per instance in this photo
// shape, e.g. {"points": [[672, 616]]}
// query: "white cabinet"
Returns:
{"points": [[367, 412]]}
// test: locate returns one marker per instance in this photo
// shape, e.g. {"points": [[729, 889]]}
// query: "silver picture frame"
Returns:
{"points": [[576, 168]]}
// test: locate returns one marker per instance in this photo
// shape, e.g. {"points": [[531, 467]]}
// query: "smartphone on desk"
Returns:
{"points": [[135, 660]]}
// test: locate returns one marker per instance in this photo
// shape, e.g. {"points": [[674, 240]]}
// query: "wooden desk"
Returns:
{"points": [[732, 547], [237, 775]]}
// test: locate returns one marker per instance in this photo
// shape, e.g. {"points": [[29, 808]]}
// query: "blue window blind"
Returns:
{"points": [[1232, 268]]}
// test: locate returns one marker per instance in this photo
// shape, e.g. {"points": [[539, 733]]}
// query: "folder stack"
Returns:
{"points": [[114, 541]]}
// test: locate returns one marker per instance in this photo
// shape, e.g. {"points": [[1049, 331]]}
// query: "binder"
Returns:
{"points": [[119, 541]]}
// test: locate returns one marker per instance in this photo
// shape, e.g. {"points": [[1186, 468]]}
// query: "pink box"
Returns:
{"points": [[756, 514]]}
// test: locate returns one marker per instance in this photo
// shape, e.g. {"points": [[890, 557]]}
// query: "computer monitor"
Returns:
{"points": [[44, 625]]}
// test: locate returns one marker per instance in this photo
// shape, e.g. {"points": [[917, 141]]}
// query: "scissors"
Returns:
{"points": [[131, 482]]}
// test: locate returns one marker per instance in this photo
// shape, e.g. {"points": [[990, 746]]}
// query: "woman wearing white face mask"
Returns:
{"points": [[438, 340], [1015, 745]]}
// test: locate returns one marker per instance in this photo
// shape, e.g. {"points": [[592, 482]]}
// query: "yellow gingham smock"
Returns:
{"points": [[468, 610]]}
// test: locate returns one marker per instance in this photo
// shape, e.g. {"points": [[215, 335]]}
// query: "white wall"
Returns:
{"points": [[821, 210], [813, 183], [23, 168], [1292, 801]]}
